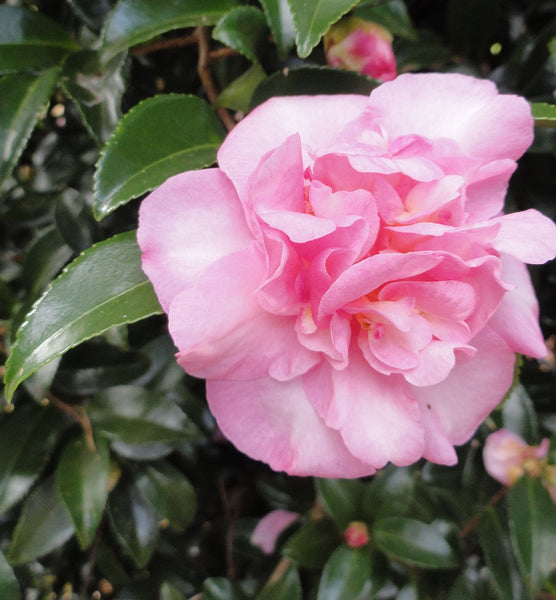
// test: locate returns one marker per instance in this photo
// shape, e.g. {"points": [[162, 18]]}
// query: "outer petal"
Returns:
{"points": [[270, 527], [189, 222], [472, 389], [469, 111], [274, 422], [317, 119]]}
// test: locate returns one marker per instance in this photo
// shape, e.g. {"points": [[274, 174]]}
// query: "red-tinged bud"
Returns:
{"points": [[356, 534]]}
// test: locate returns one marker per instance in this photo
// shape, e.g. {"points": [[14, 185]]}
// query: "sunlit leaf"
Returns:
{"points": [[280, 20]]}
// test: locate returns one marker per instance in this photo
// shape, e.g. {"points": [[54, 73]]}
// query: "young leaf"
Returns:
{"points": [[415, 542], [345, 574], [82, 479], [9, 587], [287, 587], [135, 21], [30, 40], [238, 94], [43, 525], [341, 499], [313, 18], [22, 99], [280, 19], [102, 287], [160, 137], [532, 516], [244, 29], [544, 114]]}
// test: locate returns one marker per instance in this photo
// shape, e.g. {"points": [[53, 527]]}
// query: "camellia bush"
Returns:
{"points": [[278, 300]]}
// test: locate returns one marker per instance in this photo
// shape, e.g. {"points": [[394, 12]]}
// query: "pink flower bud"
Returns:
{"points": [[270, 527], [361, 46], [507, 457], [356, 534]]}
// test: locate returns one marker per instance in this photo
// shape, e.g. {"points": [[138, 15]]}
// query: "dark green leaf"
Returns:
{"points": [[220, 588], [96, 89], [244, 29], [82, 479], [160, 137], [238, 94], [28, 435], [280, 20], [312, 544], [136, 416], [532, 514], [392, 15], [426, 53], [22, 99], [9, 587], [30, 40], [518, 415], [134, 522], [312, 19], [287, 587], [135, 21], [169, 493], [92, 13], [345, 574], [341, 499], [415, 542], [103, 287], [169, 592], [499, 557], [313, 80], [74, 220], [544, 114], [43, 525]]}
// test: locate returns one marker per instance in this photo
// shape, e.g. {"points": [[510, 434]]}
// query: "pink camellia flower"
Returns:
{"points": [[507, 457], [346, 281], [361, 46], [269, 528]]}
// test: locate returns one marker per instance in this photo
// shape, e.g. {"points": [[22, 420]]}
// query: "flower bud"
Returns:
{"points": [[362, 46], [356, 534]]}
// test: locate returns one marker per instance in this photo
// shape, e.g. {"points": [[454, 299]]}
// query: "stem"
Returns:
{"points": [[472, 523], [79, 415], [178, 42]]}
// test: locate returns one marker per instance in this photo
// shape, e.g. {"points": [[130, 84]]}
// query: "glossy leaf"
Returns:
{"points": [[23, 97], [169, 493], [29, 40], [499, 557], [9, 587], [544, 114], [74, 220], [82, 478], [280, 19], [134, 523], [313, 80], [43, 525], [103, 287], [244, 29], [169, 592], [287, 587], [518, 415], [532, 514], [341, 499], [220, 588], [311, 545], [91, 13], [313, 18], [392, 15], [136, 416], [28, 436], [96, 89], [238, 94], [414, 542], [345, 574], [135, 21], [160, 137]]}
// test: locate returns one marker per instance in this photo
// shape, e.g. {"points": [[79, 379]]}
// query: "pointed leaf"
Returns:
{"points": [[313, 18], [238, 94], [415, 542], [519, 416], [135, 21], [244, 29], [341, 499], [345, 574], [102, 287], [43, 526], [532, 514], [158, 138], [544, 114], [28, 436], [280, 19], [29, 40], [287, 587], [9, 587], [392, 15], [82, 479], [22, 99], [169, 592], [312, 544]]}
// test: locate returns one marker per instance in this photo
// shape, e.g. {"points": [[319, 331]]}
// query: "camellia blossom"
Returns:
{"points": [[346, 281], [268, 529], [361, 46]]}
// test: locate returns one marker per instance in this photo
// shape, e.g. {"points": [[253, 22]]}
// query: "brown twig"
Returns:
{"points": [[203, 69], [166, 44], [472, 523], [79, 415]]}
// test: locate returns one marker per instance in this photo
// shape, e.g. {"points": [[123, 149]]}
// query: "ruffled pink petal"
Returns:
{"points": [[275, 422], [185, 225], [269, 528], [486, 189], [317, 120], [438, 447], [464, 109], [472, 389], [516, 319]]}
